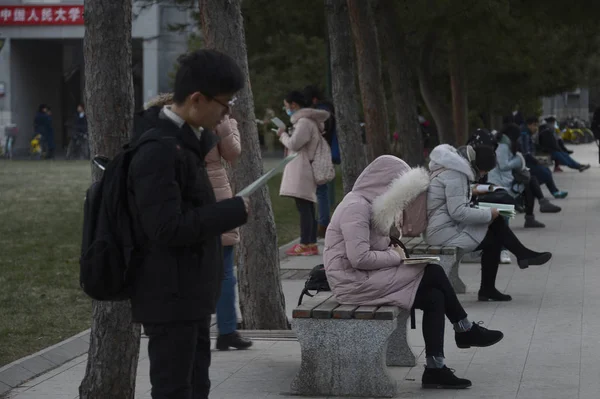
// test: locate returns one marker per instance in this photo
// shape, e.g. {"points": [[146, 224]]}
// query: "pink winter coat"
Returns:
{"points": [[361, 267], [228, 150], [298, 180]]}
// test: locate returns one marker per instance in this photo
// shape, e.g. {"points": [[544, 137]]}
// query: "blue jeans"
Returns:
{"points": [[562, 158], [226, 315], [326, 201], [544, 176]]}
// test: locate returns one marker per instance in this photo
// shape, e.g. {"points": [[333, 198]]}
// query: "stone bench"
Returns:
{"points": [[346, 348], [449, 259]]}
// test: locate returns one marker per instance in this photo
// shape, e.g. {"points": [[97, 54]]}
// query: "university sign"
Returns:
{"points": [[41, 15]]}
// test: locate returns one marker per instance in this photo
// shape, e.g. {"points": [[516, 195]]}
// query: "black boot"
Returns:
{"points": [[233, 340], [548, 207], [443, 378], [477, 336], [492, 295], [534, 259], [531, 223]]}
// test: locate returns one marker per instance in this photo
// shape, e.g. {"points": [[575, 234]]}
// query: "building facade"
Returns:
{"points": [[41, 59]]}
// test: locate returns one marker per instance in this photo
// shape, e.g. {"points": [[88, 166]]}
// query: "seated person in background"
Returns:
{"points": [[364, 269], [453, 222], [549, 144], [510, 162], [541, 173]]}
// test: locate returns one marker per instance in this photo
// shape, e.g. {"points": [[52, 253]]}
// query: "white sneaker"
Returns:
{"points": [[505, 257], [471, 257]]}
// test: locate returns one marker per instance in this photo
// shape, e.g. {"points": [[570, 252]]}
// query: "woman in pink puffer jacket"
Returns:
{"points": [[364, 269], [228, 150]]}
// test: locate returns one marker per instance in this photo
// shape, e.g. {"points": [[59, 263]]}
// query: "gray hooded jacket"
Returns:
{"points": [[451, 220]]}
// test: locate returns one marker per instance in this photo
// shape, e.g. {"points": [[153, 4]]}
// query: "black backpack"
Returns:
{"points": [[108, 248], [317, 281]]}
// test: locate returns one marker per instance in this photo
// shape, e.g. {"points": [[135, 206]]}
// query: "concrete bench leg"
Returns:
{"points": [[399, 352], [344, 358], [451, 262]]}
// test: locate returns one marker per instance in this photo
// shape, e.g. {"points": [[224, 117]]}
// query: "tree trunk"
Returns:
{"points": [[261, 296], [440, 111], [369, 76], [114, 341], [393, 44], [345, 95], [458, 83]]}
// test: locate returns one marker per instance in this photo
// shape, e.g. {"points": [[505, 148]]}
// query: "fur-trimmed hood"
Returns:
{"points": [[160, 101], [390, 185]]}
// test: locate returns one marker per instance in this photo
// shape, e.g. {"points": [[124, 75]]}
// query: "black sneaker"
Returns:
{"points": [[233, 340], [584, 168], [536, 259], [477, 336], [443, 378], [493, 296]]}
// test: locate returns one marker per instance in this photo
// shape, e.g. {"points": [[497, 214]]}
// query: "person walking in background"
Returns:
{"points": [[79, 145], [298, 180], [42, 125], [325, 192]]}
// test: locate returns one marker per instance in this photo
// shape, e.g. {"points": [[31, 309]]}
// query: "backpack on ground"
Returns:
{"points": [[322, 165], [414, 216], [317, 281], [108, 249]]}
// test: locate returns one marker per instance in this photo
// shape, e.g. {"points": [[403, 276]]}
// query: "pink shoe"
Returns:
{"points": [[314, 249], [299, 250]]}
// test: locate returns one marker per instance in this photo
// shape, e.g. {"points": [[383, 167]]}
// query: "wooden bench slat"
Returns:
{"points": [[344, 312], [304, 311], [449, 250], [365, 312], [387, 313], [420, 249], [325, 310], [434, 250]]}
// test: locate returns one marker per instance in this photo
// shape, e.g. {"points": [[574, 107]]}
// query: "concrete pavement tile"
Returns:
{"points": [[15, 375], [4, 388], [37, 365]]}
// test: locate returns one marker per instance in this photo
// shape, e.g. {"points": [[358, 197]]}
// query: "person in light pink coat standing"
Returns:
{"points": [[228, 150], [364, 269], [298, 181]]}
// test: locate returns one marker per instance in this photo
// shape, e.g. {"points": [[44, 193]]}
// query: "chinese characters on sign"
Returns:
{"points": [[41, 15]]}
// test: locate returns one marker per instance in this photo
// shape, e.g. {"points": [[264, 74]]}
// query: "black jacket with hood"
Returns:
{"points": [[178, 222]]}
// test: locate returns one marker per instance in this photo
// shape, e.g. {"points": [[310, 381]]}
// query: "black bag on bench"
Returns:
{"points": [[317, 281]]}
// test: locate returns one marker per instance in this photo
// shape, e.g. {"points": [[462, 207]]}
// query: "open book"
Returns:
{"points": [[261, 181], [421, 260], [490, 188], [505, 210]]}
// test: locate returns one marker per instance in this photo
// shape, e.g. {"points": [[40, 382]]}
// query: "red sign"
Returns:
{"points": [[41, 15]]}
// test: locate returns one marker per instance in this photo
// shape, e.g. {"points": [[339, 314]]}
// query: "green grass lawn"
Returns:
{"points": [[40, 231]]}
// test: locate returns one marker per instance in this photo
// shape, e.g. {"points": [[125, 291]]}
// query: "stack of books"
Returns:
{"points": [[505, 210]]}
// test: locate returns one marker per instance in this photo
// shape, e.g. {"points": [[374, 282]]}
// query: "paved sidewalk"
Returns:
{"points": [[552, 326]]}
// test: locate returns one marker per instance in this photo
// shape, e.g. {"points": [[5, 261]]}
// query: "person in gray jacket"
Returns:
{"points": [[453, 222], [509, 160]]}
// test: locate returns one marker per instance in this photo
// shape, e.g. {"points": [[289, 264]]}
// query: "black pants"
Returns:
{"points": [[179, 359], [498, 236], [436, 297], [532, 191], [308, 221]]}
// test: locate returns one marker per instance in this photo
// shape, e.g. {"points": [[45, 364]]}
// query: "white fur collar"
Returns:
{"points": [[402, 191]]}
